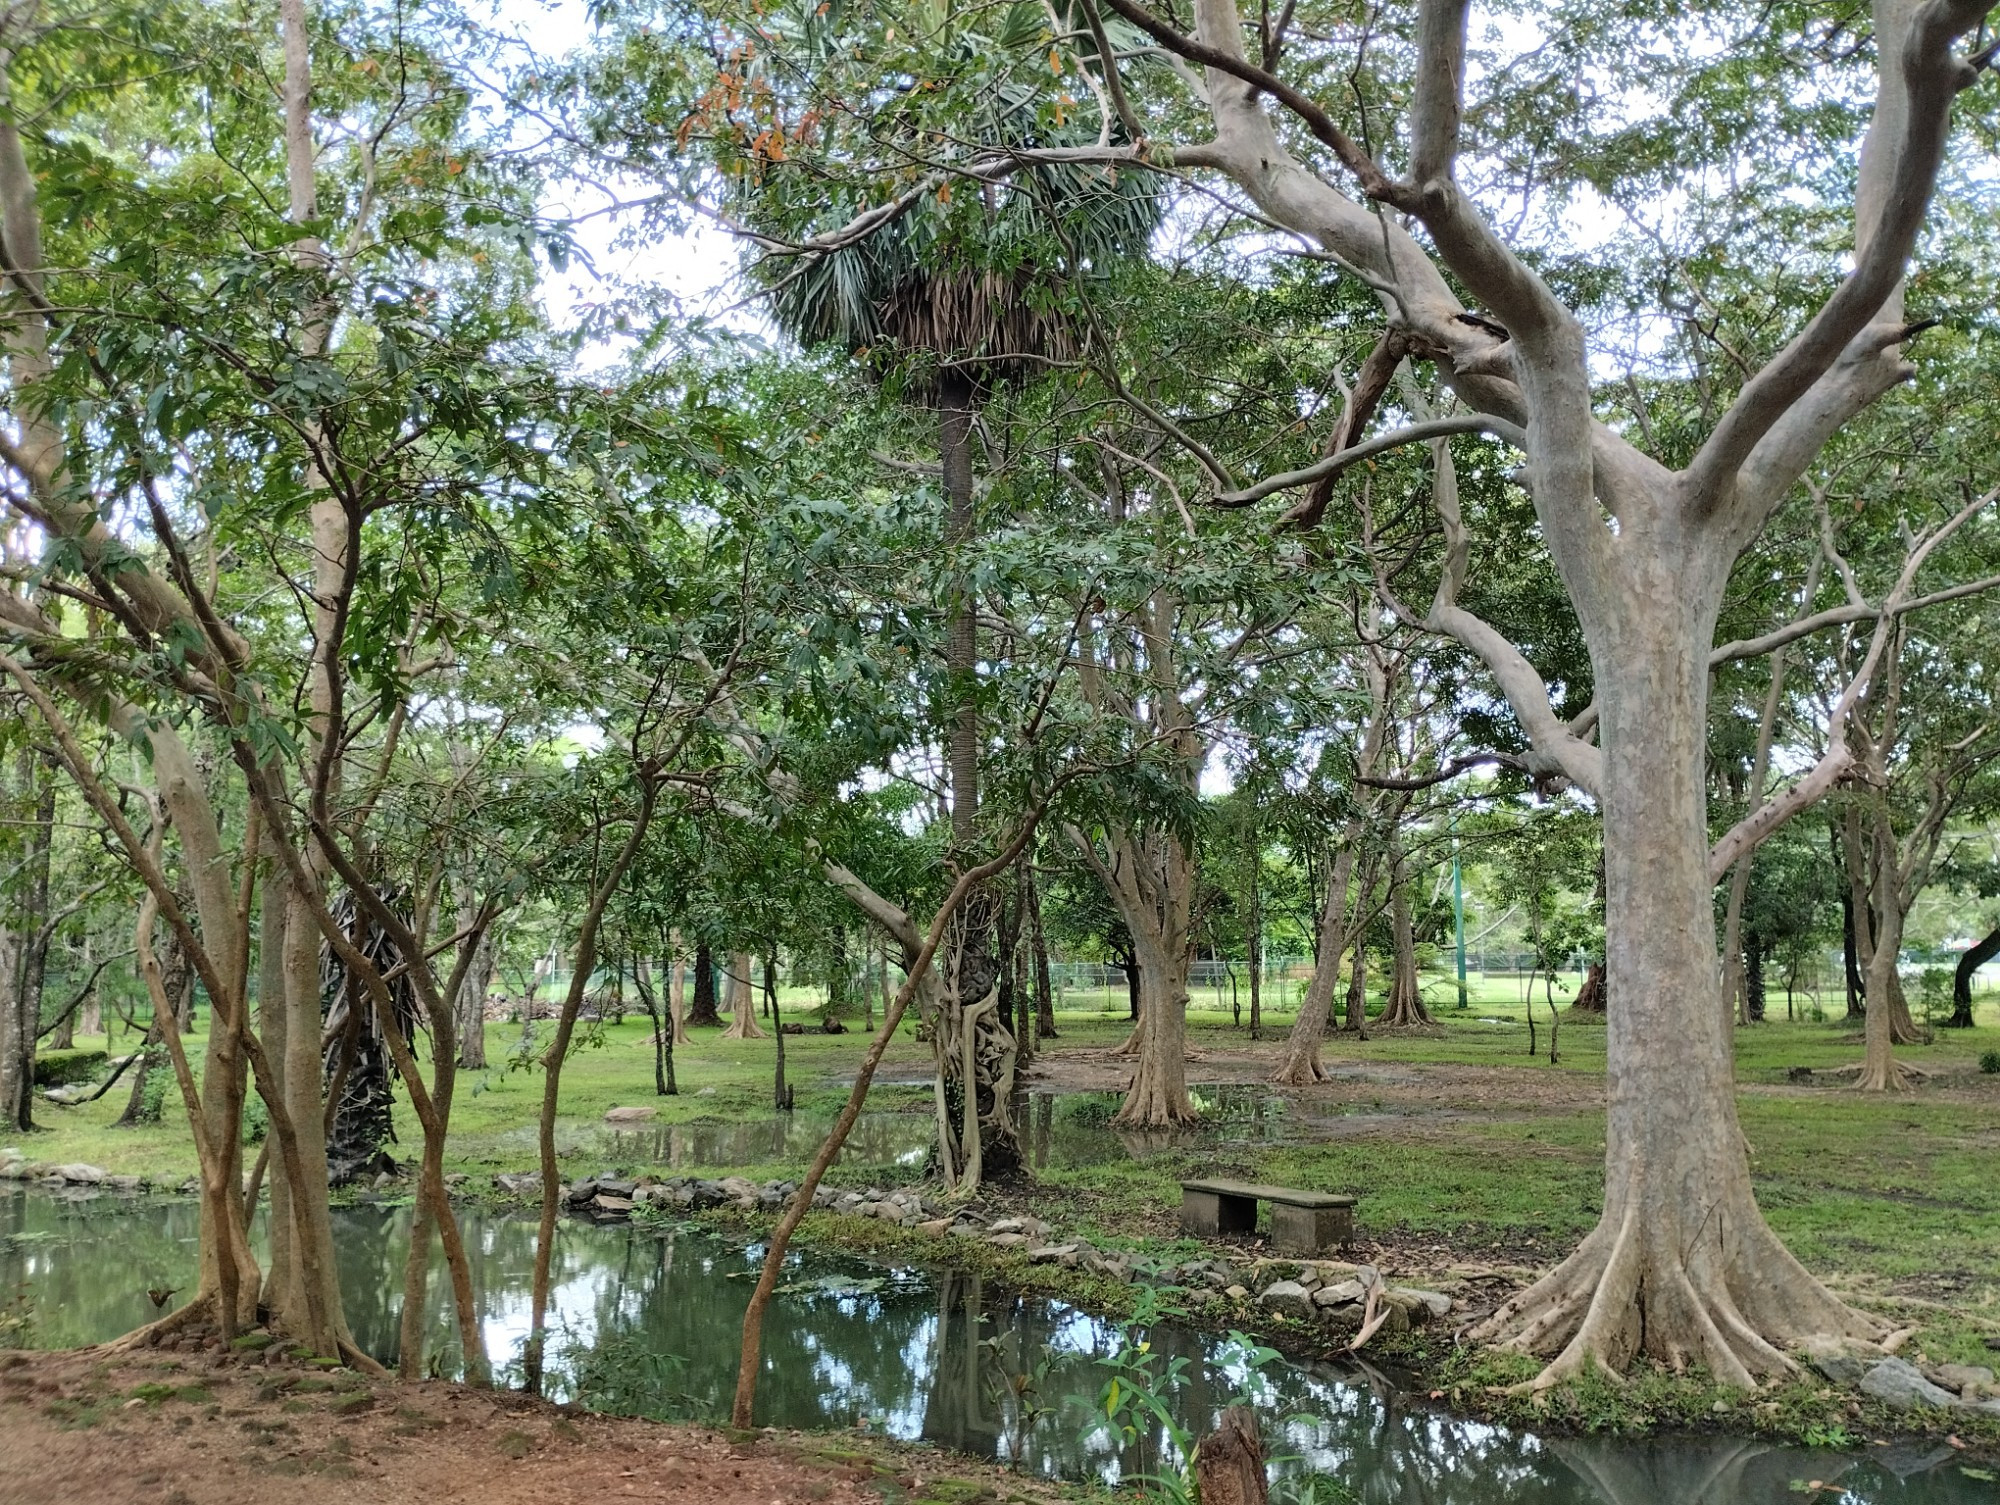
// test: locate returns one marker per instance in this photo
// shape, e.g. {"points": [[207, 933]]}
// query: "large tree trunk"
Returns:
{"points": [[1961, 979], [1682, 1268], [1406, 1000], [702, 1013], [1157, 1096], [1150, 881], [1590, 997], [742, 1001], [1880, 1031]]}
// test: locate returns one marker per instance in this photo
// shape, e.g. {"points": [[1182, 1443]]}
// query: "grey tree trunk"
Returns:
{"points": [[471, 1001]]}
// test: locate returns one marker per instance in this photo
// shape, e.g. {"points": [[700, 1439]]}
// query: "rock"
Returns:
{"points": [[1969, 1380], [636, 1115], [1367, 1275], [1342, 1293], [16, 1170], [78, 1174], [580, 1192], [1008, 1240], [739, 1188], [126, 1183], [1049, 1254], [614, 1186], [935, 1227], [1288, 1298], [877, 1210], [1434, 1305], [1898, 1383], [603, 1203], [1838, 1359], [1415, 1313], [519, 1183], [967, 1230], [1237, 1293], [706, 1092]]}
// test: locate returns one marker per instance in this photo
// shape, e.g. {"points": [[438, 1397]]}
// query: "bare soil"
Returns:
{"points": [[229, 1428]]}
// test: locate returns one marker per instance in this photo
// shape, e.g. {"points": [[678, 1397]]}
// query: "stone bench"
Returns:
{"points": [[1302, 1222]]}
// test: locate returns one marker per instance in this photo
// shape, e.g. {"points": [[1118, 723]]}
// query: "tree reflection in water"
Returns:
{"points": [[943, 1357]]}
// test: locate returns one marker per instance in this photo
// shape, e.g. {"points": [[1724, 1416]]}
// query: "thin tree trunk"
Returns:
{"points": [[1253, 937], [1300, 1065], [781, 1095], [1045, 993], [472, 992], [585, 959]]}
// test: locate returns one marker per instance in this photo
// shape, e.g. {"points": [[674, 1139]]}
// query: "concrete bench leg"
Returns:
{"points": [[1309, 1230], [1208, 1213]]}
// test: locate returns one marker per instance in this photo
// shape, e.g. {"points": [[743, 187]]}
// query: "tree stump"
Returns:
{"points": [[1229, 1464]]}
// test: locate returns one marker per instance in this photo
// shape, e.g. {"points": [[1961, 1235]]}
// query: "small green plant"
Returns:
{"points": [[17, 1319], [1989, 1062], [1138, 1401], [1093, 1112], [153, 1096], [625, 1376]]}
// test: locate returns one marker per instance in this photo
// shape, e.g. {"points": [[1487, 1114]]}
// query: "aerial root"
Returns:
{"points": [[1305, 1071], [1616, 1298], [200, 1308], [1897, 1076]]}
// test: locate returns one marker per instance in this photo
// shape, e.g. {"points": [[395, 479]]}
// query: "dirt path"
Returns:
{"points": [[231, 1429]]}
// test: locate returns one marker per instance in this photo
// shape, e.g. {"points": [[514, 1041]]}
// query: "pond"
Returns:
{"points": [[1057, 1129], [647, 1320]]}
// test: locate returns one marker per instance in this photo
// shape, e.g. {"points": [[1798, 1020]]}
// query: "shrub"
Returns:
{"points": [[62, 1067], [1990, 1063]]}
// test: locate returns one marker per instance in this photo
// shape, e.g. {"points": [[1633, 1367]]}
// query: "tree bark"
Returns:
{"points": [[1253, 937], [703, 1012], [1300, 1065], [955, 415], [1045, 994], [1975, 957], [1229, 1463], [742, 1001], [1682, 1268], [1406, 1000], [472, 992], [1590, 997]]}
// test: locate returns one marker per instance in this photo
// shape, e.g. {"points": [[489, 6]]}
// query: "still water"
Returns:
{"points": [[1056, 1129], [649, 1320]]}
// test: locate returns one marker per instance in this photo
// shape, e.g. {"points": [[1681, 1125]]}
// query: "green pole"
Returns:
{"points": [[1458, 908]]}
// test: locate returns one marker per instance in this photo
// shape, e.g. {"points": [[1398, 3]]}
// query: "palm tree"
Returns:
{"points": [[951, 302]]}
